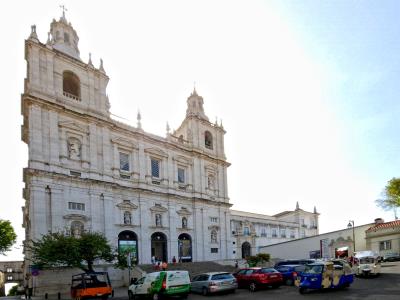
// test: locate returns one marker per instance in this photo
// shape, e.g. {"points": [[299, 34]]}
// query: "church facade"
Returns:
{"points": [[151, 195]]}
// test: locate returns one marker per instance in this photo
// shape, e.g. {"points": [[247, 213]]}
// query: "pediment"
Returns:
{"points": [[76, 217], [156, 151], [127, 206], [213, 227], [73, 126], [182, 159], [158, 208], [124, 142], [184, 212]]}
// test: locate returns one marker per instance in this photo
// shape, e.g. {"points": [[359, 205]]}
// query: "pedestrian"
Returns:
{"points": [[174, 260], [236, 264], [164, 266], [153, 260]]}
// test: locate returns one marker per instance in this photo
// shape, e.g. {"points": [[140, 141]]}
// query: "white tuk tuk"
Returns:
{"points": [[366, 263]]}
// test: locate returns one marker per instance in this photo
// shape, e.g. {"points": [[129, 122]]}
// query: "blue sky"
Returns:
{"points": [[306, 90]]}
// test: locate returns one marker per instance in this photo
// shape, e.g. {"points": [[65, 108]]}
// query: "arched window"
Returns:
{"points": [[208, 140], [180, 139], [66, 38], [127, 218], [184, 222], [214, 236], [76, 228], [71, 86]]}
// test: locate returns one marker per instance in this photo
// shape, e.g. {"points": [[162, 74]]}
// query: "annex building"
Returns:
{"points": [[162, 196]]}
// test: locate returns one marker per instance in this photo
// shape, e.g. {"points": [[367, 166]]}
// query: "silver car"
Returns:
{"points": [[213, 282]]}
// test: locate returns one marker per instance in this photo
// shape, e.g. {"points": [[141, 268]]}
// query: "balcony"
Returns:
{"points": [[71, 96]]}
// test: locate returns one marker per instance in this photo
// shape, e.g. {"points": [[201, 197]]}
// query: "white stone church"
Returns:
{"points": [[157, 196]]}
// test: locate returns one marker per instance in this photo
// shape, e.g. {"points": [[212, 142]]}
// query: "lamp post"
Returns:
{"points": [[351, 225]]}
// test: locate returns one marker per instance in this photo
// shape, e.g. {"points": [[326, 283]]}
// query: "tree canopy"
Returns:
{"points": [[7, 236], [391, 195], [62, 250]]}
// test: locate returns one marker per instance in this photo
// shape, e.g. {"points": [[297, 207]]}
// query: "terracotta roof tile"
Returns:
{"points": [[384, 225]]}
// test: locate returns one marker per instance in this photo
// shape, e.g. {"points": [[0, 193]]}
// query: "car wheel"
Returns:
{"points": [[252, 287], [184, 296], [204, 291], [289, 281], [302, 290]]}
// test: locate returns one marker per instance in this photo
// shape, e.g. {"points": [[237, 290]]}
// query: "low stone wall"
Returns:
{"points": [[58, 280]]}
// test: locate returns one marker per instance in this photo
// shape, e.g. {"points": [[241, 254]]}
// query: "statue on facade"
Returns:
{"points": [[74, 148], [127, 218]]}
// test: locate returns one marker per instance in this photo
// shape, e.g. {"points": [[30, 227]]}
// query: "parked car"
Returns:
{"points": [[157, 284], [391, 257], [290, 272], [265, 277], [214, 282], [295, 262], [243, 276]]}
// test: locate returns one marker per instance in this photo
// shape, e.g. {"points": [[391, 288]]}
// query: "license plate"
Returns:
{"points": [[273, 276]]}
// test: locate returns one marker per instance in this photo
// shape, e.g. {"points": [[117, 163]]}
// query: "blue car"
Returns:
{"points": [[324, 275], [290, 272]]}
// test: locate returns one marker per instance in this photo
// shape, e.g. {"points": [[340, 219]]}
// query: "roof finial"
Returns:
{"points": [[194, 89], [64, 9], [33, 35], [90, 60], [216, 121], [315, 209], [168, 129], [139, 118], [297, 205], [101, 68]]}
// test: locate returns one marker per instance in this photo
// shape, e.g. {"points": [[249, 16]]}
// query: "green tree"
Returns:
{"points": [[13, 291], [260, 258], [62, 250], [391, 195], [7, 236]]}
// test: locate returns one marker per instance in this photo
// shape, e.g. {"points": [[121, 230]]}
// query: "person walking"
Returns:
{"points": [[164, 266], [174, 260]]}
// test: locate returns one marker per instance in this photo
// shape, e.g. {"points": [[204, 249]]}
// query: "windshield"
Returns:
{"points": [[367, 260], [221, 276], [313, 269]]}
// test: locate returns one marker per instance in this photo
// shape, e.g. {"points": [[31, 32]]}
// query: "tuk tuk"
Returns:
{"points": [[324, 275], [91, 285], [366, 263]]}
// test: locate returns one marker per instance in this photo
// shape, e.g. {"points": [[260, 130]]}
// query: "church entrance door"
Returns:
{"points": [[246, 249], [185, 247], [159, 246], [128, 245]]}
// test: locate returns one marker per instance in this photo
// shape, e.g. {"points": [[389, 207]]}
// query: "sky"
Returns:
{"points": [[306, 90]]}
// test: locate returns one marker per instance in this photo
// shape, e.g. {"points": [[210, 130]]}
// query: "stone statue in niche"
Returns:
{"points": [[76, 229], [74, 148], [127, 218], [211, 182], [158, 220], [213, 236]]}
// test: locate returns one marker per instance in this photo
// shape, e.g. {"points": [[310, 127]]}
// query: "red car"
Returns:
{"points": [[256, 278], [243, 276]]}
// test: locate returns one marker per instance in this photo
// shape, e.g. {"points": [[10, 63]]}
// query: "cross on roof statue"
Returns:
{"points": [[64, 9]]}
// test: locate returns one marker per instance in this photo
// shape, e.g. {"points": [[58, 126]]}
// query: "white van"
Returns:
{"points": [[366, 263], [158, 284]]}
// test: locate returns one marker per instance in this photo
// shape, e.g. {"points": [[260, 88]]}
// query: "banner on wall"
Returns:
{"points": [[324, 245], [130, 247]]}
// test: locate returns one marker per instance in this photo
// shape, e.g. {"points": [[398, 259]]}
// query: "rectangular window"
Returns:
{"points": [[303, 233], [283, 233], [246, 231], [214, 219], [214, 250], [385, 245], [292, 234], [76, 206], [181, 175], [124, 161], [155, 168], [263, 232], [274, 233]]}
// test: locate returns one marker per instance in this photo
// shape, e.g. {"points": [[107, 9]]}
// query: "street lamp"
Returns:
{"points": [[351, 225]]}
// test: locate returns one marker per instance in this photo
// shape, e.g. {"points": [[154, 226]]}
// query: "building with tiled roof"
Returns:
{"points": [[384, 237]]}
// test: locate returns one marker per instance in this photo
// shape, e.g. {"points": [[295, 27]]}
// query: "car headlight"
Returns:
{"points": [[314, 279]]}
